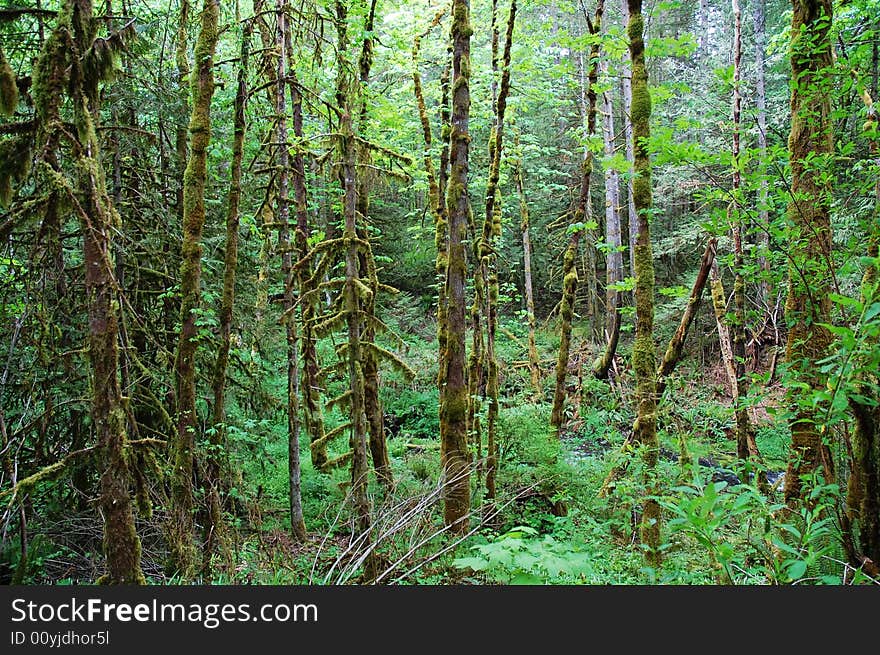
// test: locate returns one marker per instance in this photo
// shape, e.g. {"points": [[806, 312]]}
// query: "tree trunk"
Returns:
{"points": [[454, 407], [808, 306], [863, 490], [372, 402], [626, 86], [643, 357], [218, 441], [183, 71], [308, 296], [614, 256], [488, 257], [353, 302], [746, 446], [98, 220], [581, 220], [673, 350], [436, 201], [282, 41], [743, 425], [703, 38], [182, 555], [764, 289]]}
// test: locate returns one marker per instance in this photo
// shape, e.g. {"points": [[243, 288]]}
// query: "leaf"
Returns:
{"points": [[797, 569], [525, 578], [475, 563]]}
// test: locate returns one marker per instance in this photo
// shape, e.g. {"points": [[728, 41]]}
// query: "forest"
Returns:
{"points": [[439, 292]]}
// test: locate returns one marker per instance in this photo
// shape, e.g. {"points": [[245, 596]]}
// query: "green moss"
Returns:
{"points": [[15, 164], [49, 77], [8, 87]]}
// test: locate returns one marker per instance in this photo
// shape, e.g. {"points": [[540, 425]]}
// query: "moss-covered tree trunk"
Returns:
{"points": [[676, 344], [436, 201], [311, 385], [355, 294], [308, 295], [217, 436], [863, 489], [454, 405], [181, 59], [810, 275], [372, 402], [644, 357], [68, 63], [294, 492], [582, 215], [746, 446], [181, 542], [488, 257]]}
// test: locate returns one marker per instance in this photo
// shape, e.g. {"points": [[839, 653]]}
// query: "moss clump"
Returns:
{"points": [[8, 87], [15, 164]]}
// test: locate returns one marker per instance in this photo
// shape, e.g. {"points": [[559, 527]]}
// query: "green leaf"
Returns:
{"points": [[796, 570], [475, 563]]}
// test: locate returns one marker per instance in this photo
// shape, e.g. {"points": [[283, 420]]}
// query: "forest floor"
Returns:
{"points": [[549, 523]]}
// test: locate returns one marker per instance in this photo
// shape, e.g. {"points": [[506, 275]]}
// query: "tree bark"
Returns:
{"points": [[582, 216], [808, 306], [743, 425], [98, 219], [614, 256], [181, 543], [454, 407], [703, 38], [863, 489], [643, 357], [626, 89], [310, 390], [294, 496], [217, 438], [353, 296], [674, 349], [436, 201], [488, 257], [372, 402]]}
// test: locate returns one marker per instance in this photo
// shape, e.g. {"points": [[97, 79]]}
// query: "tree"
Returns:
{"points": [[614, 256], [182, 555], [643, 357], [582, 219], [487, 267], [213, 467], [810, 273], [454, 404], [71, 62], [294, 495]]}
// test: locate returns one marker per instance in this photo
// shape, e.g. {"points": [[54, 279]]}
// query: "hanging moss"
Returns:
{"points": [[15, 164], [49, 76], [8, 87]]}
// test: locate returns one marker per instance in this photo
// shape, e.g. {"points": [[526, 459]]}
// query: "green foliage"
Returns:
{"points": [[412, 413], [518, 557], [751, 539]]}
